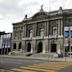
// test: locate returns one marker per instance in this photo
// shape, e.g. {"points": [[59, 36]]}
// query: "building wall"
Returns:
{"points": [[5, 43], [44, 29]]}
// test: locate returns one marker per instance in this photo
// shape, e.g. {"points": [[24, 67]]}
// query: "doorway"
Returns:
{"points": [[28, 47], [39, 47], [53, 48]]}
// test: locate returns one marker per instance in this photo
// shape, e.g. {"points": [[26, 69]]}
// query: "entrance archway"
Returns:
{"points": [[14, 46], [39, 47], [53, 48], [28, 47], [19, 46]]}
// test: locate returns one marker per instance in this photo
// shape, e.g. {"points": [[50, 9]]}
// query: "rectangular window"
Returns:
{"points": [[66, 34]]}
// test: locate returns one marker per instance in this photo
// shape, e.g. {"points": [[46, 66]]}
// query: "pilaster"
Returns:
{"points": [[33, 46], [24, 46], [47, 28], [61, 27], [34, 30]]}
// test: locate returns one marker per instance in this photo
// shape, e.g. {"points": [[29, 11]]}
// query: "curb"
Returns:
{"points": [[37, 58]]}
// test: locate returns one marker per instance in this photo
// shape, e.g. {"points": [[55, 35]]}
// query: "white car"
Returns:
{"points": [[13, 52]]}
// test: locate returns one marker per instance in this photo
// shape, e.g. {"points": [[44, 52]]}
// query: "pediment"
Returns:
{"points": [[40, 15]]}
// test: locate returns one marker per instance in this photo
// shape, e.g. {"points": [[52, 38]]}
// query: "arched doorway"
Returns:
{"points": [[19, 46], [14, 46], [39, 47], [28, 47], [53, 48]]}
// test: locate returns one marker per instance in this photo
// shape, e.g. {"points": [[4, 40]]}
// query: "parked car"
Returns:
{"points": [[13, 52]]}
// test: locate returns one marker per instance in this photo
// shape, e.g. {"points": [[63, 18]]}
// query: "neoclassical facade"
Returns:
{"points": [[43, 32]]}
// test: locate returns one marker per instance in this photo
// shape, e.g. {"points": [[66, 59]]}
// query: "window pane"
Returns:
{"points": [[66, 34]]}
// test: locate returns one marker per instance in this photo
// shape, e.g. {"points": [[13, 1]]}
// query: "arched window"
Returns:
{"points": [[14, 46], [39, 49]]}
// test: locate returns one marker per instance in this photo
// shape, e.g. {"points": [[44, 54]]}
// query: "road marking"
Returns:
{"points": [[36, 69], [45, 67], [15, 69], [21, 70]]}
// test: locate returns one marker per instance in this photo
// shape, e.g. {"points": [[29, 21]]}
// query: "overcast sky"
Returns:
{"points": [[12, 11]]}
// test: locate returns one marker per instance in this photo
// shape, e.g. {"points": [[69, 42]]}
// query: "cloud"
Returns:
{"points": [[1, 1], [15, 10], [1, 16]]}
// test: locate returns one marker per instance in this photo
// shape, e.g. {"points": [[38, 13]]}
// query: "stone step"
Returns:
{"points": [[49, 55]]}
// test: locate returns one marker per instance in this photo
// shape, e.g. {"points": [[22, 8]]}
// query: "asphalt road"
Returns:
{"points": [[10, 63], [66, 69]]}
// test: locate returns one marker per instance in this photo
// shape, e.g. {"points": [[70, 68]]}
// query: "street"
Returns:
{"points": [[10, 63], [67, 69], [35, 64]]}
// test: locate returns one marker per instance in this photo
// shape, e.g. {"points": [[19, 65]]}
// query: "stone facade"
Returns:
{"points": [[42, 33]]}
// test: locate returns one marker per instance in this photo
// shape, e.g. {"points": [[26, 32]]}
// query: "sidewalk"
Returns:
{"points": [[40, 58]]}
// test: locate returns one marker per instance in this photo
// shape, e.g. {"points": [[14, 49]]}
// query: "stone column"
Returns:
{"points": [[24, 46], [45, 46], [23, 33], [59, 27], [43, 50], [49, 46], [62, 27], [24, 30], [58, 48], [34, 30], [33, 46], [45, 29], [62, 46], [17, 46]]}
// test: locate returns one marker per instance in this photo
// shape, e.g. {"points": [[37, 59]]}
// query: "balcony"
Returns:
{"points": [[35, 38], [42, 37], [53, 36]]}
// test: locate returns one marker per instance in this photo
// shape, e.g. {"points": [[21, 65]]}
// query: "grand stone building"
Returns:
{"points": [[43, 32]]}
